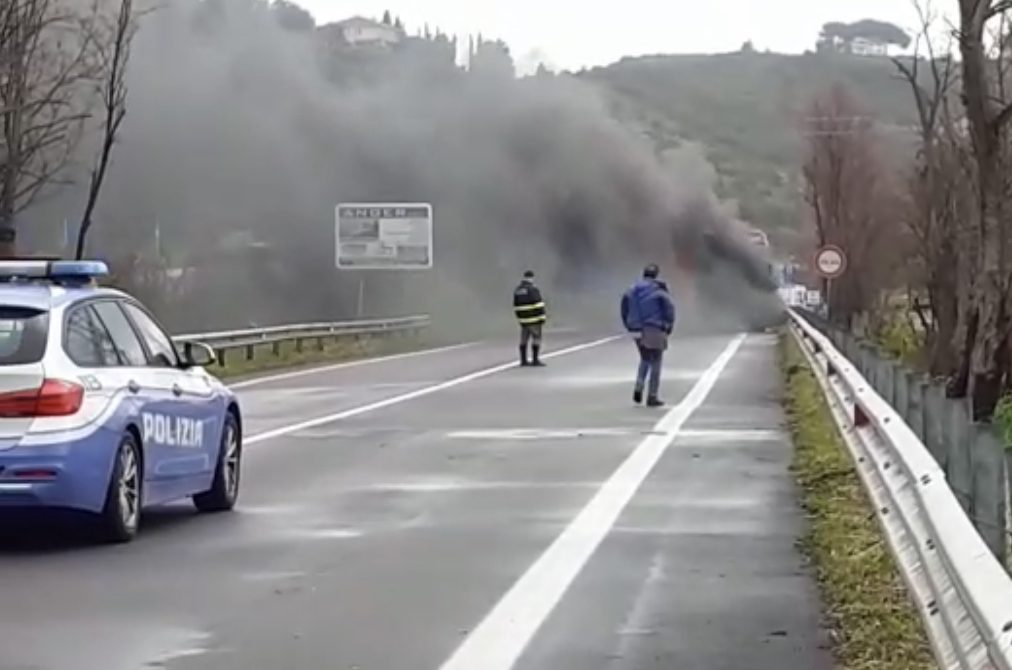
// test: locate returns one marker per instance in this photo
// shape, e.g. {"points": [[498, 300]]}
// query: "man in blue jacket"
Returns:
{"points": [[648, 312]]}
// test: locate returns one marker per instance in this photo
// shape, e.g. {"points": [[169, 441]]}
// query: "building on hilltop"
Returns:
{"points": [[866, 47], [359, 31]]}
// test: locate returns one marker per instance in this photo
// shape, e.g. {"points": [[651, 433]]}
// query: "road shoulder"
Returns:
{"points": [[873, 624]]}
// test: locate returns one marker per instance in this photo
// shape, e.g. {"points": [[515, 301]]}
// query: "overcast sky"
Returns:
{"points": [[571, 34]]}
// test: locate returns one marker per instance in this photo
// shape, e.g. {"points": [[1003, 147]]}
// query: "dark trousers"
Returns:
{"points": [[651, 361], [530, 332]]}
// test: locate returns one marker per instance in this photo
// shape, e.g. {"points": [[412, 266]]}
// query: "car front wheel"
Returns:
{"points": [[224, 489]]}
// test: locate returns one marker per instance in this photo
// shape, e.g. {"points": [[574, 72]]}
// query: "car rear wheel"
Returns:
{"points": [[224, 489], [121, 514]]}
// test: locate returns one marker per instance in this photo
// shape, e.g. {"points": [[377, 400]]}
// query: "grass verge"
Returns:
{"points": [[335, 351], [873, 623]]}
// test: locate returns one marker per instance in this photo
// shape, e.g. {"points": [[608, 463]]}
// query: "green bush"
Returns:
{"points": [[899, 339], [1003, 419]]}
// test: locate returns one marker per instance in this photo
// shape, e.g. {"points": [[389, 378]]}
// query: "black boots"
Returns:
{"points": [[535, 361], [535, 350]]}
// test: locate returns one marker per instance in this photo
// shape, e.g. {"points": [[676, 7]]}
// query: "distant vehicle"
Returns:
{"points": [[758, 238], [100, 412], [798, 295]]}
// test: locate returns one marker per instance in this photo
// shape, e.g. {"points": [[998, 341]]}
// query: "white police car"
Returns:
{"points": [[99, 410]]}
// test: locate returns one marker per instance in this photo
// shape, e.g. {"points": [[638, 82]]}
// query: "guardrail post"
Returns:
{"points": [[986, 509], [298, 345], [960, 438], [884, 386], [220, 355], [276, 348], [852, 350], [249, 352], [901, 392], [1006, 506], [834, 337], [934, 410], [866, 363], [874, 369], [916, 389], [320, 343]]}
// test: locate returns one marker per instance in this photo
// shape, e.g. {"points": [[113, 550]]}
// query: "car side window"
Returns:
{"points": [[163, 351], [87, 342], [128, 345]]}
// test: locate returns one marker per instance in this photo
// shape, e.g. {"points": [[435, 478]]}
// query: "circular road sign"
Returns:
{"points": [[830, 261]]}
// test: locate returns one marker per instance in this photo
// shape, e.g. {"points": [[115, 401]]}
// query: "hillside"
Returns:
{"points": [[747, 109]]}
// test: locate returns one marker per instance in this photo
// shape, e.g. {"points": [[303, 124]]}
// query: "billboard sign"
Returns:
{"points": [[384, 236]]}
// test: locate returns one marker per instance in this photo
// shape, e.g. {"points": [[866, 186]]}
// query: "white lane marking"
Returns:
{"points": [[326, 533], [348, 364], [411, 395], [472, 486], [538, 433], [272, 576], [502, 636], [731, 435]]}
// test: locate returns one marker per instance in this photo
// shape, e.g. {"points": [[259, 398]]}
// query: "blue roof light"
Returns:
{"points": [[78, 269], [57, 271]]}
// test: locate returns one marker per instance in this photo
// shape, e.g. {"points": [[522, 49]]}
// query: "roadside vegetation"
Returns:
{"points": [[923, 210], [873, 623]]}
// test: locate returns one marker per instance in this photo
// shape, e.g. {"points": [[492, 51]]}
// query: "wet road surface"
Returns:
{"points": [[450, 511]]}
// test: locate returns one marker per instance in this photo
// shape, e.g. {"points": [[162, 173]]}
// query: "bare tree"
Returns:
{"points": [[47, 72], [988, 116], [114, 57], [935, 191], [851, 198]]}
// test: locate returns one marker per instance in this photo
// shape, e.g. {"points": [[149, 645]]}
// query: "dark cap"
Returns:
{"points": [[529, 274], [651, 271]]}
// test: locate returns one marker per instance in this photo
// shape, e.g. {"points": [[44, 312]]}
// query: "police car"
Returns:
{"points": [[99, 410]]}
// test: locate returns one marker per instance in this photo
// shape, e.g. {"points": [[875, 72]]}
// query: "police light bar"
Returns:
{"points": [[67, 271]]}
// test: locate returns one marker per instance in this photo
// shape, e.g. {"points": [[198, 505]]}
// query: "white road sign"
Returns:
{"points": [[384, 236], [830, 261]]}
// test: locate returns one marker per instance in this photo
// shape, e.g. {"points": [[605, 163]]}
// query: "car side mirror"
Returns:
{"points": [[198, 354]]}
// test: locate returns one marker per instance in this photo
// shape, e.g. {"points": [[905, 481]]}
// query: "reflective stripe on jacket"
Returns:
{"points": [[528, 305]]}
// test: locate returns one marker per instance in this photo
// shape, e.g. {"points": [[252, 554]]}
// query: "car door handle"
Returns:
{"points": [[177, 390], [133, 386]]}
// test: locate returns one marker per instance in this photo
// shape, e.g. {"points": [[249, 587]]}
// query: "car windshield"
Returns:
{"points": [[22, 335]]}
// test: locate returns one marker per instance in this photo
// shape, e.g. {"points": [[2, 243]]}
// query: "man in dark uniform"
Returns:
{"points": [[649, 313], [529, 307]]}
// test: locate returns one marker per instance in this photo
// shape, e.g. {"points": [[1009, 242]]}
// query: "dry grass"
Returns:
{"points": [[874, 624]]}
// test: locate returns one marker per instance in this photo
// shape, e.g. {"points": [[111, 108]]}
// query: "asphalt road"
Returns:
{"points": [[443, 512]]}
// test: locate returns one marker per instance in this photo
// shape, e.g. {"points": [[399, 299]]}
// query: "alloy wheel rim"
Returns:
{"points": [[129, 487], [232, 457]]}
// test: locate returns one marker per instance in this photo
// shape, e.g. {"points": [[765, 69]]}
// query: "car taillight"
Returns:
{"points": [[54, 398]]}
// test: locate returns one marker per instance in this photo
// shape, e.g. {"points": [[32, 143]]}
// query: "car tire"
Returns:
{"points": [[224, 491], [121, 513]]}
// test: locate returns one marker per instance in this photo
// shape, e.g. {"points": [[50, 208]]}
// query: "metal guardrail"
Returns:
{"points": [[974, 455], [960, 588], [252, 339]]}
